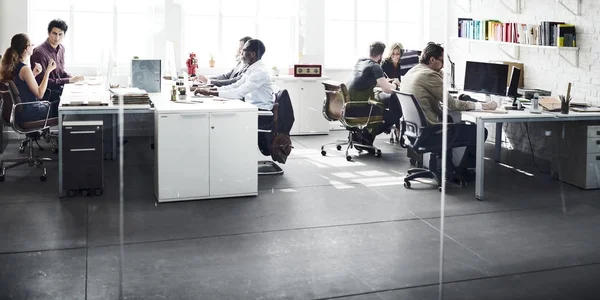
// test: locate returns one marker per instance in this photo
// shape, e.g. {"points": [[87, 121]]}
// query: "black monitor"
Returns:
{"points": [[514, 84], [486, 78]]}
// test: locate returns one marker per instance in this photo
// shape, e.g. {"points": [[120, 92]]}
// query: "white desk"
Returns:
{"points": [[203, 157], [481, 118]]}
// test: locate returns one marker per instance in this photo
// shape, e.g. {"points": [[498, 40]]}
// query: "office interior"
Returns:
{"points": [[326, 227]]}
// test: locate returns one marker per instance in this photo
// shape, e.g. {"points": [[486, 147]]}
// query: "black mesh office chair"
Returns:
{"points": [[425, 138]]}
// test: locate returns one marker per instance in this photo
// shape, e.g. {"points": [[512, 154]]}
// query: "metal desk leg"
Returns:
{"points": [[61, 192], [479, 166], [498, 141]]}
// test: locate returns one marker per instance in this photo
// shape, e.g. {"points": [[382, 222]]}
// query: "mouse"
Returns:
{"points": [[465, 97]]}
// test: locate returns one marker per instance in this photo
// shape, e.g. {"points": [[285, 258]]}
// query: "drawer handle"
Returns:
{"points": [[82, 132], [83, 150]]}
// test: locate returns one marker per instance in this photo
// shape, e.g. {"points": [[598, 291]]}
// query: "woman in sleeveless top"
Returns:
{"points": [[13, 67]]}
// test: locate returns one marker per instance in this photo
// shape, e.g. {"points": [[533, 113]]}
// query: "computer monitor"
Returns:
{"points": [[486, 78], [514, 85]]}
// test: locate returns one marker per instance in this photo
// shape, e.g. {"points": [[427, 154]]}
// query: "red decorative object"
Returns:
{"points": [[308, 70], [192, 64]]}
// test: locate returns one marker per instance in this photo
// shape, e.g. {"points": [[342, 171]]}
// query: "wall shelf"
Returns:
{"points": [[576, 12], [515, 51]]}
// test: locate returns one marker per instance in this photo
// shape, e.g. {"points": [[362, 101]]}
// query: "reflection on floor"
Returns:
{"points": [[326, 228]]}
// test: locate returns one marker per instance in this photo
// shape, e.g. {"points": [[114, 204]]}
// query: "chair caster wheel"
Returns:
{"points": [[378, 153], [98, 192], [71, 193], [21, 150], [152, 146], [439, 189], [108, 156], [391, 140], [55, 151], [85, 192], [407, 184], [463, 183], [349, 158], [338, 147], [323, 152], [43, 178], [2, 178], [412, 162]]}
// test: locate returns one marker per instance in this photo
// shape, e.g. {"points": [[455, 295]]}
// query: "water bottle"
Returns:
{"points": [[535, 102]]}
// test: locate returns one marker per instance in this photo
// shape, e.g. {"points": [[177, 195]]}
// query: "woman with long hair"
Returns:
{"points": [[13, 67], [391, 64]]}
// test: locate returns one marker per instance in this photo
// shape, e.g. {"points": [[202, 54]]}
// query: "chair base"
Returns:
{"points": [[350, 143], [31, 160], [275, 169], [434, 173]]}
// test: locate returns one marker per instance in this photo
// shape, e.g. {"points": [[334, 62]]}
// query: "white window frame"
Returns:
{"points": [[361, 52]]}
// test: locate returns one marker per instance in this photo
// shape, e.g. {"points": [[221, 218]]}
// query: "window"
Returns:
{"points": [[217, 26], [352, 25], [124, 28]]}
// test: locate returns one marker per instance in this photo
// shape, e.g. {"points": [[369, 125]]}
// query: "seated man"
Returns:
{"points": [[366, 76], [425, 82], [232, 76], [53, 50], [255, 84]]}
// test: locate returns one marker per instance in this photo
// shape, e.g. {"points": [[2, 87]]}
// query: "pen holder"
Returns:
{"points": [[564, 108]]}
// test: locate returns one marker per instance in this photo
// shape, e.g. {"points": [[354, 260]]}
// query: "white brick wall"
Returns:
{"points": [[543, 68]]}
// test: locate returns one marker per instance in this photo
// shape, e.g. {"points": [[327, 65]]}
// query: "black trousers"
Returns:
{"points": [[392, 114]]}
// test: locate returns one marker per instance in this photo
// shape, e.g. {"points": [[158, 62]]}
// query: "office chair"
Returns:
{"points": [[354, 115], [32, 130], [424, 138], [274, 133]]}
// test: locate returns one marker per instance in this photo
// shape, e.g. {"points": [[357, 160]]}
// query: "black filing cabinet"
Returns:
{"points": [[83, 157]]}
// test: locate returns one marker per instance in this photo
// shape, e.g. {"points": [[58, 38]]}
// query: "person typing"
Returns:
{"points": [[254, 86]]}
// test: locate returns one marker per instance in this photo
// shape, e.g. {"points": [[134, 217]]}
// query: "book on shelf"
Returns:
{"points": [[547, 33]]}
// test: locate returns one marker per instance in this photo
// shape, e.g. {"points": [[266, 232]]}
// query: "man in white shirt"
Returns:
{"points": [[255, 85]]}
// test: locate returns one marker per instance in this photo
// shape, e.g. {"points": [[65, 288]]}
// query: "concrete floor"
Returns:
{"points": [[327, 228]]}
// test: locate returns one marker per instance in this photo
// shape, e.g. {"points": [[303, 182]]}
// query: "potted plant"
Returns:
{"points": [[211, 62], [275, 71]]}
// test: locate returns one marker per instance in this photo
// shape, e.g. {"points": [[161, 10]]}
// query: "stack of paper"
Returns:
{"points": [[130, 95]]}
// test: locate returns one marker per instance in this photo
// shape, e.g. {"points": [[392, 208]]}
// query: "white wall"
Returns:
{"points": [[543, 68]]}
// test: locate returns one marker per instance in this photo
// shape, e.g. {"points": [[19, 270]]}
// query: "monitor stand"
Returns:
{"points": [[515, 105]]}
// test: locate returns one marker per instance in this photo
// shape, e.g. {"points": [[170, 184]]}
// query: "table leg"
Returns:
{"points": [[479, 165], [61, 192], [498, 141]]}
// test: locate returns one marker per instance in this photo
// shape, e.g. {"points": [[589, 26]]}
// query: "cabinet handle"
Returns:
{"points": [[598, 142], [82, 132], [83, 150]]}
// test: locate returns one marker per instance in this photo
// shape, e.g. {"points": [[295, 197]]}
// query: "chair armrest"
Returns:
{"points": [[364, 104], [13, 117]]}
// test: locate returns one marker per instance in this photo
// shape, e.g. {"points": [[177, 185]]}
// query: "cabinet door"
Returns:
{"points": [[293, 88], [233, 155], [311, 114], [182, 156]]}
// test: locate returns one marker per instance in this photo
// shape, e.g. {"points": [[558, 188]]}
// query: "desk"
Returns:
{"points": [[197, 144], [481, 118], [72, 91]]}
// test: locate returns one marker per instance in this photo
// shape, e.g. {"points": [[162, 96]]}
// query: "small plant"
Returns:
{"points": [[211, 62]]}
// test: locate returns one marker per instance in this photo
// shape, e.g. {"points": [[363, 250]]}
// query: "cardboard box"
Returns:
{"points": [[510, 65]]}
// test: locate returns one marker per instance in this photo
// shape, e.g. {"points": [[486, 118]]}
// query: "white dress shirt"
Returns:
{"points": [[254, 87]]}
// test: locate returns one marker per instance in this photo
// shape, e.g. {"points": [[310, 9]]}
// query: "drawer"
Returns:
{"points": [[80, 156], [593, 171], [593, 132], [82, 137], [593, 145]]}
